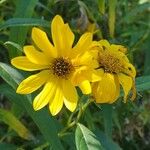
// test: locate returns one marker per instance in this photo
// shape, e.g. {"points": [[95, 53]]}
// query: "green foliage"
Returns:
{"points": [[86, 140], [92, 126], [8, 118]]}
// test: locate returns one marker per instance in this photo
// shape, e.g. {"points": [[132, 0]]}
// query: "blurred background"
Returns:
{"points": [[124, 22]]}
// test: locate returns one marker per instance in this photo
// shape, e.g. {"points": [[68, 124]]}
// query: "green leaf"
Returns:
{"points": [[17, 22], [10, 75], [131, 15], [143, 83], [8, 118], [11, 94], [112, 16], [86, 140], [101, 6], [15, 45], [42, 118], [106, 141], [107, 112], [147, 61], [6, 146], [24, 9]]}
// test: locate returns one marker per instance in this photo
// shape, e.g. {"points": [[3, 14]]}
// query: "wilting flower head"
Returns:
{"points": [[114, 70], [60, 67]]}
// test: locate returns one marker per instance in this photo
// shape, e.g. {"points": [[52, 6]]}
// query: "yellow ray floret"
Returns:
{"points": [[61, 67], [115, 70]]}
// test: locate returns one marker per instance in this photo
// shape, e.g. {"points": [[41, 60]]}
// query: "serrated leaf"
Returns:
{"points": [[86, 139]]}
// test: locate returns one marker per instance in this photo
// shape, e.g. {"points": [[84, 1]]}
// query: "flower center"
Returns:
{"points": [[110, 63], [62, 67]]}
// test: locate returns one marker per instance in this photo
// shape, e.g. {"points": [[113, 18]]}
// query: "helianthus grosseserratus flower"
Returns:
{"points": [[114, 70], [60, 67]]}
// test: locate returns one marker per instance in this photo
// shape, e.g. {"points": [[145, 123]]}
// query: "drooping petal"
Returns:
{"points": [[23, 63], [118, 48], [104, 91], [126, 83], [83, 45], [129, 70], [96, 75], [85, 87], [33, 82], [70, 95], [57, 103], [105, 44], [78, 76], [42, 42], [46, 95], [117, 93], [36, 56]]}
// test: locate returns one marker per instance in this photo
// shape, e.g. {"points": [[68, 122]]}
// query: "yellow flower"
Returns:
{"points": [[114, 70], [60, 67]]}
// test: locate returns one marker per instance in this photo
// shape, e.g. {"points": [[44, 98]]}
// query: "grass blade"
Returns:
{"points": [[24, 9], [112, 16]]}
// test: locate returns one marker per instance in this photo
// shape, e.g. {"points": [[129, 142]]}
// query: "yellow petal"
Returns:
{"points": [[68, 39], [83, 44], [56, 28], [105, 44], [104, 91], [22, 62], [46, 95], [33, 82], [57, 103], [36, 56], [62, 35], [97, 75], [129, 70], [117, 93], [119, 48], [42, 42], [126, 83], [70, 95], [85, 87]]}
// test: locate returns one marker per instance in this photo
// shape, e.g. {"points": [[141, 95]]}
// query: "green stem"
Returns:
{"points": [[71, 123]]}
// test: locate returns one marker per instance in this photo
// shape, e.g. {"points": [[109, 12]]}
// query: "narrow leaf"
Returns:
{"points": [[10, 75], [15, 45], [107, 112], [24, 9], [112, 16], [8, 118], [101, 6], [18, 22]]}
